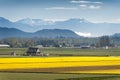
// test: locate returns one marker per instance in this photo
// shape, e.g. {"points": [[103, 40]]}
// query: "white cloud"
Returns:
{"points": [[94, 7], [98, 2], [54, 20], [90, 6], [79, 1], [105, 20], [85, 2], [61, 8], [84, 34], [83, 5], [118, 20], [112, 21]]}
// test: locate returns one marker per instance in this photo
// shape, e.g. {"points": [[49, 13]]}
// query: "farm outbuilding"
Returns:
{"points": [[4, 45], [33, 51]]}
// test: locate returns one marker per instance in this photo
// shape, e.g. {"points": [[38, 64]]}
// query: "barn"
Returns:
{"points": [[33, 51]]}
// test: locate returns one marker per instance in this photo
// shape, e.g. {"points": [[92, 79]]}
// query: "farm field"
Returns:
{"points": [[76, 64], [5, 52]]}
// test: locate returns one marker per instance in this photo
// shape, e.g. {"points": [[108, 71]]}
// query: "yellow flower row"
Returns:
{"points": [[60, 62], [113, 71], [57, 59], [57, 62]]}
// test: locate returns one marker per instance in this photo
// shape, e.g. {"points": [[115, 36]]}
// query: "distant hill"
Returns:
{"points": [[115, 37], [12, 32], [47, 33], [56, 33]]}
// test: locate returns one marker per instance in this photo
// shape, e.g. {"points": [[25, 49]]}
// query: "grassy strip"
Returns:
{"points": [[88, 69], [51, 76], [95, 78]]}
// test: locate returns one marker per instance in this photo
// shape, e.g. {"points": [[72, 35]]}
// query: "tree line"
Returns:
{"points": [[59, 42]]}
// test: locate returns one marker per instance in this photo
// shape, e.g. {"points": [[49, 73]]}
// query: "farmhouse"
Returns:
{"points": [[33, 51]]}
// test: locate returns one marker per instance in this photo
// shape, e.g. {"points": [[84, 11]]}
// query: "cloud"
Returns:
{"points": [[94, 7], [79, 1], [112, 20], [118, 19], [61, 8], [84, 34], [85, 2], [83, 5], [90, 6], [54, 20]]}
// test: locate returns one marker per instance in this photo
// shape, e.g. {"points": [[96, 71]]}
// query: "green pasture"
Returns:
{"points": [[50, 76], [64, 51], [81, 52]]}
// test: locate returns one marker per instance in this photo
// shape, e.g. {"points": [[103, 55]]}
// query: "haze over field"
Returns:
{"points": [[85, 17]]}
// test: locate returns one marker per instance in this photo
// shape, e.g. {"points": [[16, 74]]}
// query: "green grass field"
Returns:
{"points": [[64, 51], [8, 51], [82, 52]]}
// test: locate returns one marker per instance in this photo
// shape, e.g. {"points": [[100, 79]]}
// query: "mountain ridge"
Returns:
{"points": [[74, 24], [46, 33]]}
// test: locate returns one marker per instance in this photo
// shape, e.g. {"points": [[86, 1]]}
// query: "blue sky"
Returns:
{"points": [[92, 10]]}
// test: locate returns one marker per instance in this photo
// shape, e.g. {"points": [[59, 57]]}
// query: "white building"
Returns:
{"points": [[4, 45]]}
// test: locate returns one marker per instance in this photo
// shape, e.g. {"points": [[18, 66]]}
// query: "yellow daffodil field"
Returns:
{"points": [[105, 65]]}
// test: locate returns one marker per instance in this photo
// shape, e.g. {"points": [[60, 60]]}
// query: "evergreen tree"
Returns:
{"points": [[104, 41]]}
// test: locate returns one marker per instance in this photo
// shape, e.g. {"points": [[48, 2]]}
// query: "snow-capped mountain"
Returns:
{"points": [[81, 26], [34, 22]]}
